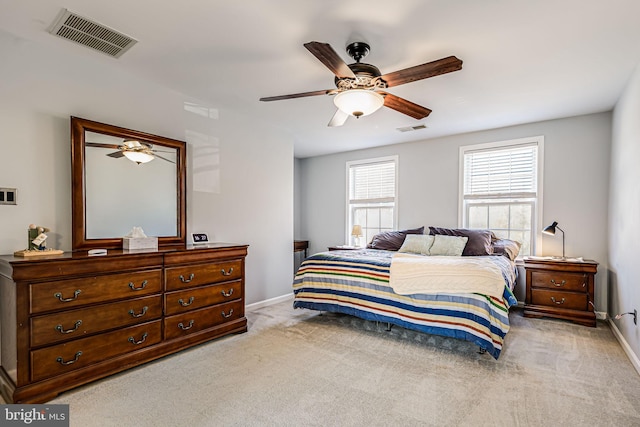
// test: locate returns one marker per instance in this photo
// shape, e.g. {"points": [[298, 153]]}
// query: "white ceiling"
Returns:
{"points": [[524, 60]]}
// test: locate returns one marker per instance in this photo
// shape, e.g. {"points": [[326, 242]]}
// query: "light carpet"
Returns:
{"points": [[300, 368]]}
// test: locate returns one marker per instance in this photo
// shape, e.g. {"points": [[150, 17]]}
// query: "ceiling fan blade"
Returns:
{"points": [[419, 72], [116, 154], [405, 107], [338, 119], [100, 145], [325, 54], [167, 160], [297, 95]]}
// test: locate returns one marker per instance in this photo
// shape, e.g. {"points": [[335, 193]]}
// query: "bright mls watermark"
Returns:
{"points": [[35, 415]]}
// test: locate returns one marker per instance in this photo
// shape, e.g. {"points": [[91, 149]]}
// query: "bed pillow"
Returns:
{"points": [[506, 247], [392, 240], [417, 244], [448, 245], [478, 244]]}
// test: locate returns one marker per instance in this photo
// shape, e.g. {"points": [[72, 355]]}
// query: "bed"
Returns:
{"points": [[359, 283]]}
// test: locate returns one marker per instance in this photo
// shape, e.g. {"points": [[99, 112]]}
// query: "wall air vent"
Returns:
{"points": [[81, 30], [412, 128]]}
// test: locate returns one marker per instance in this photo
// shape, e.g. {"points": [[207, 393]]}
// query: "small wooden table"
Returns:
{"points": [[301, 246], [343, 248], [560, 288]]}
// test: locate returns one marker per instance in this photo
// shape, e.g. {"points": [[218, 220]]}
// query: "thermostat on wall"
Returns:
{"points": [[199, 238]]}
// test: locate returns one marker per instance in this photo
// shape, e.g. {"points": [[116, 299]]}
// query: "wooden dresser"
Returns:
{"points": [[71, 319], [560, 289]]}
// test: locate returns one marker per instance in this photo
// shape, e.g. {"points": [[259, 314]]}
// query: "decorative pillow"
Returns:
{"points": [[417, 244], [448, 245], [392, 240], [479, 242], [506, 247]]}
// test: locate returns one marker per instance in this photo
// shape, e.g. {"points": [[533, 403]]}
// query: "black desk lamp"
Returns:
{"points": [[551, 230]]}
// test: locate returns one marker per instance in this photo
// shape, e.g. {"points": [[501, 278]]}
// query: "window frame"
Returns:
{"points": [[536, 228], [348, 204]]}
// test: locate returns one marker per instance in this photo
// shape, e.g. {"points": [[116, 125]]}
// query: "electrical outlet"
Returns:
{"points": [[8, 196]]}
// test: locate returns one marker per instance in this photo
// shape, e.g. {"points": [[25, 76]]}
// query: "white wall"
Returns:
{"points": [[624, 212], [245, 196], [576, 170]]}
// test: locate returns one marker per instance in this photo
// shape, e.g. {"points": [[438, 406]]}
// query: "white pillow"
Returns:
{"points": [[417, 244], [448, 245]]}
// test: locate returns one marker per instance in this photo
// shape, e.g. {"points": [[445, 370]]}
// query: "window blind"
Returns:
{"points": [[498, 172], [372, 182]]}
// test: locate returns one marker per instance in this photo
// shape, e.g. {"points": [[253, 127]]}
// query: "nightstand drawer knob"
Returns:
{"points": [[557, 302], [227, 273], [553, 281]]}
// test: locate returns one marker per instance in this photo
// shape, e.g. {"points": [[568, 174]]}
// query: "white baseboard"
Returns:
{"points": [[625, 346], [269, 302]]}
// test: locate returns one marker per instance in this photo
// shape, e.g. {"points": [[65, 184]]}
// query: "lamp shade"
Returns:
{"points": [[358, 102], [356, 231], [138, 156], [550, 229]]}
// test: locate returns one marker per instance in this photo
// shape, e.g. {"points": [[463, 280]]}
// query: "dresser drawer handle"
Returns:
{"points": [[227, 294], [226, 316], [142, 286], [184, 328], [142, 313], [557, 302], [227, 273], [558, 284], [61, 361], [186, 304], [75, 296], [186, 280], [68, 331], [143, 339]]}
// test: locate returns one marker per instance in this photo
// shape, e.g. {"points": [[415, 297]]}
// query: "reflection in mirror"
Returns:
{"points": [[137, 189], [122, 179]]}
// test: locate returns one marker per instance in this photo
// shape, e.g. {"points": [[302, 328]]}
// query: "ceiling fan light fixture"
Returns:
{"points": [[358, 102], [138, 156]]}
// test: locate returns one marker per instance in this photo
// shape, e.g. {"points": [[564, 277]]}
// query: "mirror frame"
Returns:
{"points": [[78, 189]]}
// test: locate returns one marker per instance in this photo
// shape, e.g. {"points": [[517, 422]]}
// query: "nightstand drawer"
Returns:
{"points": [[564, 300], [559, 280]]}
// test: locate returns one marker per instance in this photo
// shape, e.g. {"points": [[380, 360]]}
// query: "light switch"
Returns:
{"points": [[8, 196]]}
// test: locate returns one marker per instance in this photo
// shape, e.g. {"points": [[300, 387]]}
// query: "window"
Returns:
{"points": [[371, 197], [501, 189]]}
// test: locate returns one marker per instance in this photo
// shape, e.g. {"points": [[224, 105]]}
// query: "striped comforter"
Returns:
{"points": [[357, 283]]}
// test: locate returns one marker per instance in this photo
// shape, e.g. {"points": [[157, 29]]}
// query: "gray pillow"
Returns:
{"points": [[506, 247], [479, 242], [417, 244], [392, 240]]}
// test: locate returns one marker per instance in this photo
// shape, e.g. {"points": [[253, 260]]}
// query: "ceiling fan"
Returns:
{"points": [[360, 87], [134, 150]]}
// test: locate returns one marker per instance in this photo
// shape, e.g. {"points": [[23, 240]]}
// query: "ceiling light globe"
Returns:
{"points": [[138, 156], [358, 102]]}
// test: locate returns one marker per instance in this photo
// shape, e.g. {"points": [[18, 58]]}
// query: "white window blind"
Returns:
{"points": [[492, 173], [372, 182]]}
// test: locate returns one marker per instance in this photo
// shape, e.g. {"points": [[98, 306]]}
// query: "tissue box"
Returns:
{"points": [[139, 243]]}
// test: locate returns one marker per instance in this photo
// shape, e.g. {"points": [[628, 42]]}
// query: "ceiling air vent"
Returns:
{"points": [[73, 27], [412, 128]]}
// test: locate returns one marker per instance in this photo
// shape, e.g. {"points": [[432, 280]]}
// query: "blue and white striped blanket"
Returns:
{"points": [[357, 283]]}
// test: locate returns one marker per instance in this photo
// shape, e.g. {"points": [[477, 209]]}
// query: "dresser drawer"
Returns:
{"points": [[190, 299], [559, 280], [63, 358], [71, 293], [202, 274], [198, 320], [72, 324], [562, 300]]}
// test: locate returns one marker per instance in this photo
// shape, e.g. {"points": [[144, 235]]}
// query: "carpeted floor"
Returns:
{"points": [[300, 368]]}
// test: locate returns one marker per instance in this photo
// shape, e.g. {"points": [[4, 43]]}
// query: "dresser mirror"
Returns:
{"points": [[122, 178]]}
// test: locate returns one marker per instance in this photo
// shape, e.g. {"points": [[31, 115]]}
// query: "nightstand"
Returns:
{"points": [[343, 248], [562, 289]]}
